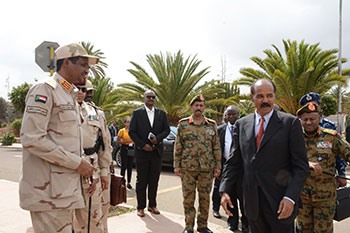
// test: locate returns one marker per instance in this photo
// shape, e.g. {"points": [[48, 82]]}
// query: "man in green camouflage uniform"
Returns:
{"points": [[197, 159], [319, 192]]}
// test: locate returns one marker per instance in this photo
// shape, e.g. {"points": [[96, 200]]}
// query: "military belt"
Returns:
{"points": [[89, 151]]}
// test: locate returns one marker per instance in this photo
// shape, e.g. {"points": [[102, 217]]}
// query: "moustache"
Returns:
{"points": [[263, 105], [198, 110]]}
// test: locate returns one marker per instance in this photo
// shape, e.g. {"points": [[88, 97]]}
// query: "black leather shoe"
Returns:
{"points": [[187, 231], [204, 230], [216, 214], [245, 229], [232, 228]]}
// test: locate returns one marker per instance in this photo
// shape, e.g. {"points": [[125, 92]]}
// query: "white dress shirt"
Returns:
{"points": [[228, 140], [150, 114]]}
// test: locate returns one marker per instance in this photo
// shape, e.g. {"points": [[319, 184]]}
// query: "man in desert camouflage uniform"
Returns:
{"points": [[94, 138], [52, 164], [197, 159], [319, 192], [105, 173]]}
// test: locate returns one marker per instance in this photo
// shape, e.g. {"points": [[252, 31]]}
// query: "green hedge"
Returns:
{"points": [[8, 139], [16, 126]]}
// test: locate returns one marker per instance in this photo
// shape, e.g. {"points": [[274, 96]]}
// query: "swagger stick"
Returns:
{"points": [[91, 182]]}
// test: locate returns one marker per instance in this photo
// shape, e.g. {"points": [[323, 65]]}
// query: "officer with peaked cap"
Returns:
{"points": [[340, 164], [52, 164], [197, 160], [319, 192], [96, 147]]}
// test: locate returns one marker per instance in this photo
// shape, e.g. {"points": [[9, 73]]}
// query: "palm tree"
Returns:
{"points": [[98, 69], [174, 82], [304, 68], [102, 86]]}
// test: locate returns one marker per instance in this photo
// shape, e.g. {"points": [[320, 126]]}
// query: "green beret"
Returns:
{"points": [[308, 108], [197, 98]]}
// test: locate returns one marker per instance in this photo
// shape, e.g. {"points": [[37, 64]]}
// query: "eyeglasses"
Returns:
{"points": [[84, 65], [82, 89], [150, 97]]}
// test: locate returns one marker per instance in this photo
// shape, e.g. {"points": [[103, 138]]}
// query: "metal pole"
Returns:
{"points": [[340, 121]]}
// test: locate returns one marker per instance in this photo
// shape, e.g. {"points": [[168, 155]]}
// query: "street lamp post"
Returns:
{"points": [[339, 117]]}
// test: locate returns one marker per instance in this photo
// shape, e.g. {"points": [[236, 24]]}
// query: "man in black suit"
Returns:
{"points": [[225, 132], [113, 130], [270, 149], [148, 127]]}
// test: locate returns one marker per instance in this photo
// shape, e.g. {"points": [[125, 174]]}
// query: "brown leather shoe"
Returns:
{"points": [[153, 210], [140, 213]]}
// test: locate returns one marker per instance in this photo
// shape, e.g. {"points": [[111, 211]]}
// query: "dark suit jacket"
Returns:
{"points": [[280, 165], [140, 128], [222, 133]]}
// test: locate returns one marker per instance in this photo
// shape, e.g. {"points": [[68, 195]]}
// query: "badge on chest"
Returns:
{"points": [[324, 145]]}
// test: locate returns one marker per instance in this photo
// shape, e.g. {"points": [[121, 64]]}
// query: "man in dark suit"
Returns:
{"points": [[113, 130], [225, 132], [148, 127], [270, 149]]}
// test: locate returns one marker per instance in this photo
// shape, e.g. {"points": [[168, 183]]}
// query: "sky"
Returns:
{"points": [[213, 30]]}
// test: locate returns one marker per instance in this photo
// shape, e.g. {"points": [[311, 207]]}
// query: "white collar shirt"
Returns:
{"points": [[257, 121], [150, 114], [228, 140]]}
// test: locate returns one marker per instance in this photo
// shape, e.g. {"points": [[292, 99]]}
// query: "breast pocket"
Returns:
{"points": [[68, 122], [64, 182]]}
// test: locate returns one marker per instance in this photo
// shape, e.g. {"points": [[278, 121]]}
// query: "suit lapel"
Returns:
{"points": [[249, 130], [146, 116], [273, 126]]}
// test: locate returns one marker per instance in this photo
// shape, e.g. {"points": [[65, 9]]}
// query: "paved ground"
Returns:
{"points": [[169, 203]]}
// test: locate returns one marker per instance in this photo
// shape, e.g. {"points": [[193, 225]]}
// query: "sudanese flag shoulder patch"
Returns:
{"points": [[40, 98]]}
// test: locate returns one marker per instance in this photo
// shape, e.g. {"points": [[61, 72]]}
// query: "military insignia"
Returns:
{"points": [[92, 117], [308, 97], [66, 85], [210, 132], [330, 131], [324, 145], [36, 109], [319, 159], [311, 107], [40, 98]]}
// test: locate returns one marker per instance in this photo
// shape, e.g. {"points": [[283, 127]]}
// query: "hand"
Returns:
{"points": [[85, 169], [226, 200], [316, 167], [177, 171], [341, 182], [104, 182], [147, 148], [91, 190], [285, 209], [154, 140], [217, 173]]}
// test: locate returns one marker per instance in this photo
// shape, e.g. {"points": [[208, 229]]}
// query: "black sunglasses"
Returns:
{"points": [[150, 97], [83, 89]]}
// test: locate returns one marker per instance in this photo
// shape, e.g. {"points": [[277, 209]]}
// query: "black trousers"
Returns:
{"points": [[148, 167], [127, 162], [267, 222]]}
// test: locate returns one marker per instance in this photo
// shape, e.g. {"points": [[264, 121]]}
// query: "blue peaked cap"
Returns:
{"points": [[312, 96]]}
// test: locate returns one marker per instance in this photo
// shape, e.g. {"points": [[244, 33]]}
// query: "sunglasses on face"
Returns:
{"points": [[150, 97], [83, 89]]}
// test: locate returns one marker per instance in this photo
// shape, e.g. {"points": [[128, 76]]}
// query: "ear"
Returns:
{"points": [[66, 62], [251, 97]]}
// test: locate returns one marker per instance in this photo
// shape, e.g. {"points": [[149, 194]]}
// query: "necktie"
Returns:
{"points": [[260, 132], [231, 130]]}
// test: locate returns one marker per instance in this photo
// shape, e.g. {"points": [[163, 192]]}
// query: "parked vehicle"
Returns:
{"points": [[168, 149]]}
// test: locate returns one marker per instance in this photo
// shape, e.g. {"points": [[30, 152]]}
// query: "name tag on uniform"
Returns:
{"points": [[93, 117], [67, 107], [324, 145], [210, 132]]}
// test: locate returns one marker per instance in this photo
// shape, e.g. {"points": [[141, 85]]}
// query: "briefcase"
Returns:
{"points": [[342, 209], [118, 189]]}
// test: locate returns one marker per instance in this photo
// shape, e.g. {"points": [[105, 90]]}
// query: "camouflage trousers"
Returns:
{"points": [[202, 180], [316, 217], [105, 206], [52, 221], [81, 215]]}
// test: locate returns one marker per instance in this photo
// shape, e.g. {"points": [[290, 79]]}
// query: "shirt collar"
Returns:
{"points": [[229, 124], [149, 110], [266, 117], [68, 87], [190, 120], [318, 132]]}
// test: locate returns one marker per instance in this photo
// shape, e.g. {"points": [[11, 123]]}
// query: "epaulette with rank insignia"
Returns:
{"points": [[184, 119], [211, 121], [51, 82], [329, 131]]}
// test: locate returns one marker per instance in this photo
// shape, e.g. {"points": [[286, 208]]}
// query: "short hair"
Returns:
{"points": [[60, 62], [126, 119], [252, 87], [231, 107]]}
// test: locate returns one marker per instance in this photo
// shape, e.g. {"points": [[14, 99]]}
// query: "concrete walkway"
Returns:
{"points": [[15, 220]]}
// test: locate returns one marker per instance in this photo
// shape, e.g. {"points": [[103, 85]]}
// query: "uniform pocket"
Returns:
{"points": [[67, 115], [64, 182]]}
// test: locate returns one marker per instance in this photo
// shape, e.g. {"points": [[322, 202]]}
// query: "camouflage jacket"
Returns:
{"points": [[197, 147], [323, 148]]}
